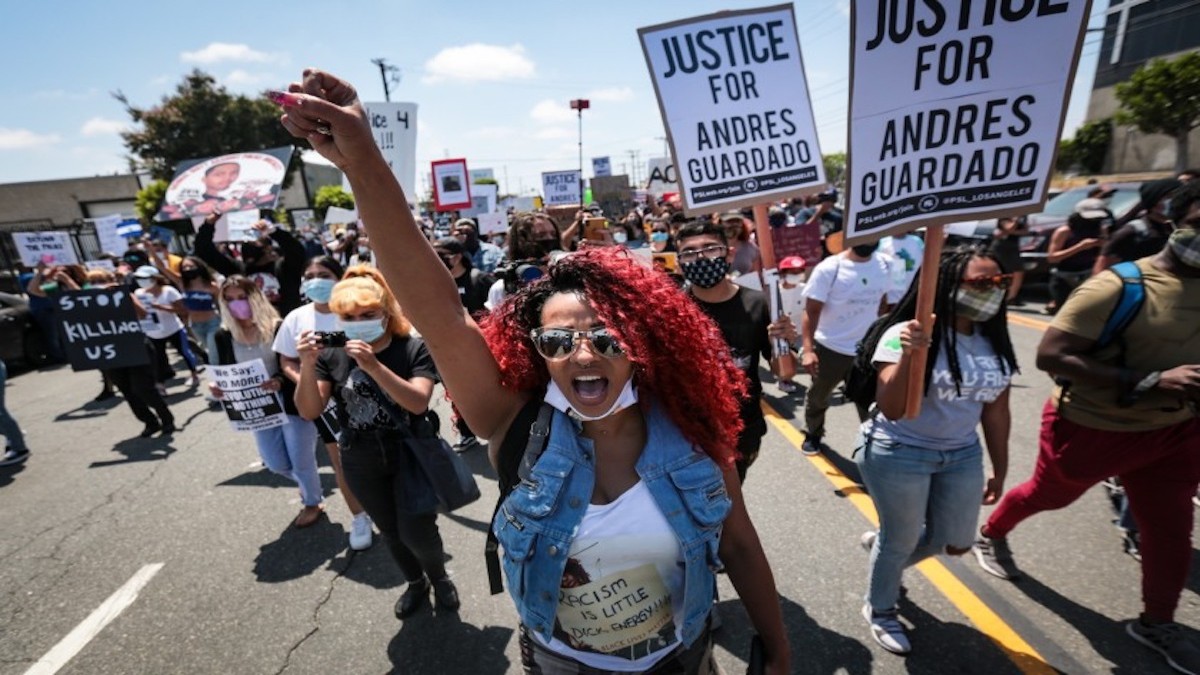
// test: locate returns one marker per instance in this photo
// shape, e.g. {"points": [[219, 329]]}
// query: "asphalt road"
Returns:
{"points": [[229, 587]]}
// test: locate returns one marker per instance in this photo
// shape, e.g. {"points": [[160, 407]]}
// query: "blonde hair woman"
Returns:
{"points": [[249, 322], [382, 379]]}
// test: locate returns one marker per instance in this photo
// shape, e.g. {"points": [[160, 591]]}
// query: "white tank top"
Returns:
{"points": [[622, 587]]}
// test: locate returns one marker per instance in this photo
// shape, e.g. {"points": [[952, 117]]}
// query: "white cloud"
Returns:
{"points": [[15, 139], [98, 126], [611, 94], [549, 111], [218, 52], [843, 7], [242, 78], [553, 134], [479, 63]]}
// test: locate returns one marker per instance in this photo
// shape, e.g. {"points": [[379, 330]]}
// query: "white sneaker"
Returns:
{"points": [[360, 532], [887, 630]]}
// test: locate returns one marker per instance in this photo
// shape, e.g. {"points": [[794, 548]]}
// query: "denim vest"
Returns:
{"points": [[540, 518]]}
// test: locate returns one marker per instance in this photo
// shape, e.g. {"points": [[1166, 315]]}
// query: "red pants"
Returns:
{"points": [[1160, 471]]}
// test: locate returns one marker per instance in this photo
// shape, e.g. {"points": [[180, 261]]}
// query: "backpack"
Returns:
{"points": [[1133, 296], [862, 378], [523, 445]]}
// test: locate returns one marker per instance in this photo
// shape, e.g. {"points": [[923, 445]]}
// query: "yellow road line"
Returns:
{"points": [[1028, 322], [987, 621]]}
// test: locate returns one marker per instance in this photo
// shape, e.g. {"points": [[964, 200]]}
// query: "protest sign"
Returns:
{"points": [[803, 240], [100, 329], [304, 220], [955, 109], [247, 405], [51, 248], [662, 179], [734, 100], [106, 265], [493, 223], [106, 232], [394, 126], [336, 215], [163, 234], [601, 166], [237, 226], [234, 182], [561, 187], [483, 200], [451, 185]]}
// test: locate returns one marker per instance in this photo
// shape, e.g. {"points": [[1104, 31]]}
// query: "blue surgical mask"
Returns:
{"points": [[368, 330], [658, 236], [318, 290]]}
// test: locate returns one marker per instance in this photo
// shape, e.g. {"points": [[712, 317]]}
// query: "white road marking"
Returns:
{"points": [[110, 609]]}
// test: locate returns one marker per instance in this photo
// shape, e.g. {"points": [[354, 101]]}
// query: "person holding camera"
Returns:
{"points": [[382, 380], [249, 324]]}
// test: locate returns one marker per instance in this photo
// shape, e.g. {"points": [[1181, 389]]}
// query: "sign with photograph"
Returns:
{"points": [[237, 226], [50, 248], [601, 166], [100, 329], [236, 182], [561, 188], [451, 185], [734, 100], [247, 405], [955, 109]]}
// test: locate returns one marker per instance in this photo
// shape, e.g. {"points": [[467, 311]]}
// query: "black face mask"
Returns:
{"points": [[547, 246], [189, 275], [864, 250]]}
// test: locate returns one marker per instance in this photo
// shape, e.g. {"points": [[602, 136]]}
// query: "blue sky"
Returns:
{"points": [[492, 79]]}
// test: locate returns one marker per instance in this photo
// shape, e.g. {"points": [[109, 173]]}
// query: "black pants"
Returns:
{"points": [[375, 466], [136, 384], [179, 342]]}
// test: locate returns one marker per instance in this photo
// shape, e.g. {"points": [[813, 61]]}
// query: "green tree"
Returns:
{"points": [[201, 119], [1088, 149], [835, 167], [484, 180], [331, 195], [149, 199], [1163, 97]]}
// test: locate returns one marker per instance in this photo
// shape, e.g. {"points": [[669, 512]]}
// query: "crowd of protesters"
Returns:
{"points": [[615, 328]]}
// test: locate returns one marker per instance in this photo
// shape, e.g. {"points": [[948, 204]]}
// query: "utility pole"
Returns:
{"points": [[580, 104], [387, 72]]}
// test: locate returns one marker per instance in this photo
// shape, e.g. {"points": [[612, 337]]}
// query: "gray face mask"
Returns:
{"points": [[1185, 244]]}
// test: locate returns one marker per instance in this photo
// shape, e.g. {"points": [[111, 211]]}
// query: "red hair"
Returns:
{"points": [[678, 353]]}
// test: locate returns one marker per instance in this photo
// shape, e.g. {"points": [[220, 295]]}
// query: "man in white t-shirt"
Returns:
{"points": [[844, 295]]}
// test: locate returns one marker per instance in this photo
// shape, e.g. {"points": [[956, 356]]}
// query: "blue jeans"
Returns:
{"points": [[291, 451], [206, 333], [926, 499], [8, 426]]}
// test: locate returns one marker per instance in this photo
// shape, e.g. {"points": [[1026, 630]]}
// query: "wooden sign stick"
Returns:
{"points": [[926, 294]]}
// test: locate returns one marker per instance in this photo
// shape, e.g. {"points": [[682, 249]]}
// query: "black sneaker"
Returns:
{"points": [[150, 429], [811, 445], [412, 599], [445, 594], [1169, 640], [995, 557], [466, 443], [169, 429], [14, 457]]}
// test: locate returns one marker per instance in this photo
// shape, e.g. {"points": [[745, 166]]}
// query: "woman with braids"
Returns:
{"points": [[636, 482], [926, 474]]}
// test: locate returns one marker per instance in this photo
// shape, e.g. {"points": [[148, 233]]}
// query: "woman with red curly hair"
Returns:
{"points": [[612, 537]]}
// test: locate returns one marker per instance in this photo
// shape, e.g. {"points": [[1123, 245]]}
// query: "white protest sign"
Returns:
{"points": [[493, 223], [734, 101], [336, 215], [601, 166], [955, 109], [237, 226], [394, 126], [661, 172], [483, 200], [561, 187], [248, 406], [106, 265], [106, 232], [52, 248]]}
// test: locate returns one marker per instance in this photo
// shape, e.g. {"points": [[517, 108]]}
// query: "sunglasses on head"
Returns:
{"points": [[559, 343], [1002, 281]]}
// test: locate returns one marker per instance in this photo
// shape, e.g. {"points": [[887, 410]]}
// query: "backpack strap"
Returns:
{"points": [[535, 445], [1133, 296]]}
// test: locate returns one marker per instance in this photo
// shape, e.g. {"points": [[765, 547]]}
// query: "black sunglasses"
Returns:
{"points": [[559, 343], [1002, 281]]}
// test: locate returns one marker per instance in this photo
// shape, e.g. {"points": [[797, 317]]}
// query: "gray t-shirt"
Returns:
{"points": [[947, 420]]}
